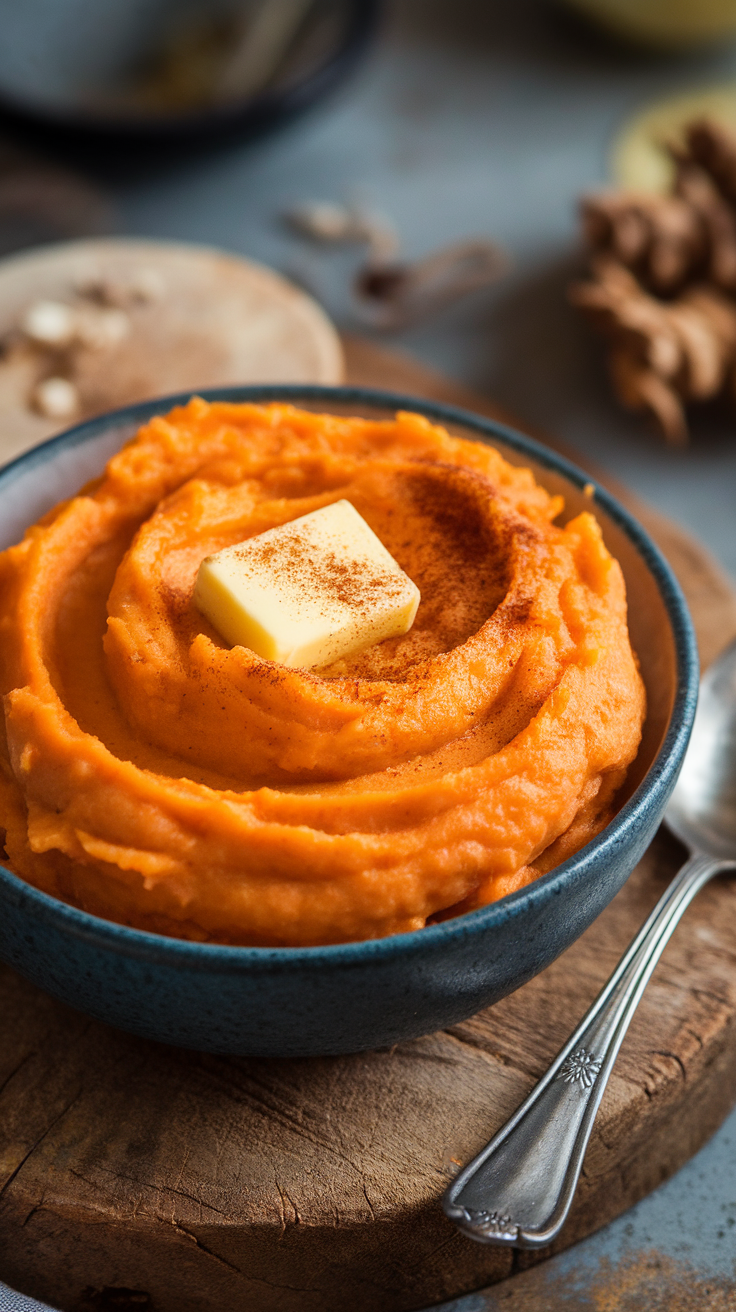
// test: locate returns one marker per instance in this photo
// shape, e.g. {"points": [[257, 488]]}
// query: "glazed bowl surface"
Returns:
{"points": [[353, 996]]}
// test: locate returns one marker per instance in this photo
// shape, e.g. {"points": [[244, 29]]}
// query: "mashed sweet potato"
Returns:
{"points": [[153, 776]]}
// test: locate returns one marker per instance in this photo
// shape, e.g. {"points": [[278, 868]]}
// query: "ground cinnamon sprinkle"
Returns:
{"points": [[453, 544], [321, 576]]}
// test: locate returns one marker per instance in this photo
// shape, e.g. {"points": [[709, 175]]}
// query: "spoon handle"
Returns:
{"points": [[518, 1190]]}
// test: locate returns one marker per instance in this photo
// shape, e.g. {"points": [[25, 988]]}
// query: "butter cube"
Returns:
{"points": [[308, 592]]}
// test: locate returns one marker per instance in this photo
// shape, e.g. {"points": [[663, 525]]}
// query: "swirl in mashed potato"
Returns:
{"points": [[156, 777]]}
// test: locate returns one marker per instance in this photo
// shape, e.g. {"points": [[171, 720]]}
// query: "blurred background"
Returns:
{"points": [[448, 121], [344, 143], [442, 120]]}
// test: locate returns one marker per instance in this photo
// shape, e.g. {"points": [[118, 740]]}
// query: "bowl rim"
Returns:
{"points": [[652, 790]]}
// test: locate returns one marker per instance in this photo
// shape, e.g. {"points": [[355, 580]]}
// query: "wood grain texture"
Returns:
{"points": [[133, 1176]]}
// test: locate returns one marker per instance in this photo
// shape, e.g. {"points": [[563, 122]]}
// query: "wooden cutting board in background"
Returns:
{"points": [[191, 317], [133, 1176]]}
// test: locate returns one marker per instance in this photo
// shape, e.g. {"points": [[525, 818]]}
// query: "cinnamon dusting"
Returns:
{"points": [[322, 577]]}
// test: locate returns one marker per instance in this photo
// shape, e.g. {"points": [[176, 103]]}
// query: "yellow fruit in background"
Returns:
{"points": [[663, 22], [639, 159]]}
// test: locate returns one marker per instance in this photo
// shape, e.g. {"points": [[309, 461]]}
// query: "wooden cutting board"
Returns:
{"points": [[190, 316], [133, 1176]]}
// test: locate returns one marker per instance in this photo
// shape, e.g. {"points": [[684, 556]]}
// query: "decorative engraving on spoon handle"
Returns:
{"points": [[518, 1190]]}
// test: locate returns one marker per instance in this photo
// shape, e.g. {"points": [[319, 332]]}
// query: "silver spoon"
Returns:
{"points": [[517, 1192]]}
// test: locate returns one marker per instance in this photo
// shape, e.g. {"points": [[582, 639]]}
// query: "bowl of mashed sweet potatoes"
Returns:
{"points": [[218, 851]]}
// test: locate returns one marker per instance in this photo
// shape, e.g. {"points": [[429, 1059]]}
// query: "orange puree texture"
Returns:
{"points": [[154, 776]]}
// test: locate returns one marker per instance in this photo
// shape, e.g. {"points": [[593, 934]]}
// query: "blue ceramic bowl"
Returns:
{"points": [[297, 1001]]}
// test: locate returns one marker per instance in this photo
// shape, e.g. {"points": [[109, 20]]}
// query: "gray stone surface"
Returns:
{"points": [[10, 1301]]}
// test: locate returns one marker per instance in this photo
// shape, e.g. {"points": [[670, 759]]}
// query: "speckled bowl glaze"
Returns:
{"points": [[303, 1001]]}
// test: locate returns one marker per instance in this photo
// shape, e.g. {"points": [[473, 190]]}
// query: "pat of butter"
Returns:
{"points": [[308, 592]]}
